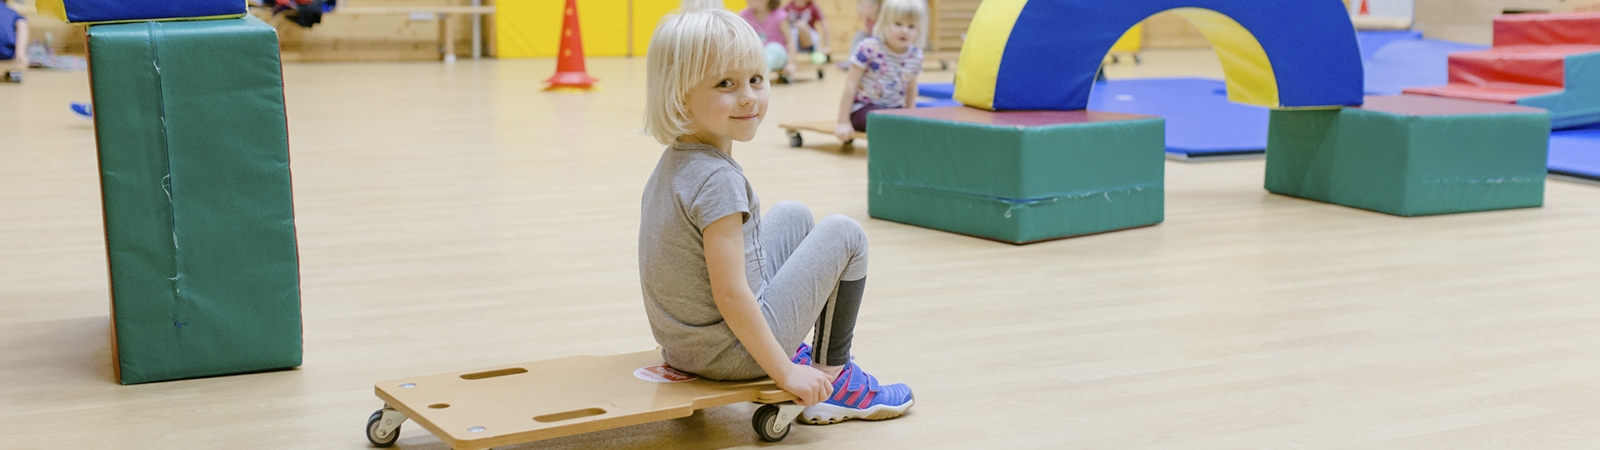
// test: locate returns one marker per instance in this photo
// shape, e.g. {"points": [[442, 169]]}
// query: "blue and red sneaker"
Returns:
{"points": [[802, 356], [857, 395]]}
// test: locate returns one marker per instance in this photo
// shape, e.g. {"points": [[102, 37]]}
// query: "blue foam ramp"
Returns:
{"points": [[1576, 153], [940, 91], [1201, 121], [937, 103]]}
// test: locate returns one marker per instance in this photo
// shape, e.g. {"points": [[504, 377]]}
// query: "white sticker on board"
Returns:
{"points": [[663, 374]]}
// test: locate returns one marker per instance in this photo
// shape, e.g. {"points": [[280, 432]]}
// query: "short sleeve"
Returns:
{"points": [[724, 193], [915, 62], [863, 52]]}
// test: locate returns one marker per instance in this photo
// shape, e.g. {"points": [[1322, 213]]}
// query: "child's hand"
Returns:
{"points": [[812, 386], [845, 132]]}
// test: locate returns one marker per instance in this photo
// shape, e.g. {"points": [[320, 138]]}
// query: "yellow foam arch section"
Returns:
{"points": [[978, 67], [1247, 69], [52, 8]]}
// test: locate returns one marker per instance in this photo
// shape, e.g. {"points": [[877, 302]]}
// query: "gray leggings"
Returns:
{"points": [[815, 277]]}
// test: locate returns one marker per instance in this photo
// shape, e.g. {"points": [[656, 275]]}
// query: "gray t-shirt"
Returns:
{"points": [[693, 185]]}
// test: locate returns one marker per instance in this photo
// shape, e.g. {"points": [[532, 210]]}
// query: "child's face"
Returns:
{"points": [[728, 106], [901, 33], [867, 9]]}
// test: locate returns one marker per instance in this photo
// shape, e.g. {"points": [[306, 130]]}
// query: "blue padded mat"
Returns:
{"points": [[1576, 152], [1200, 120], [1397, 61], [938, 91]]}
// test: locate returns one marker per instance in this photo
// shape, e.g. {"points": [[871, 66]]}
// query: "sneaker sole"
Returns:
{"points": [[825, 414]]}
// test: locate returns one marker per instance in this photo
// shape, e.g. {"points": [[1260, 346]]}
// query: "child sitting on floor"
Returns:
{"points": [[884, 67], [810, 31], [771, 24], [730, 292]]}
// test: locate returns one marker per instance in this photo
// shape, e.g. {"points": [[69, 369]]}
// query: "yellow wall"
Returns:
{"points": [[532, 28]]}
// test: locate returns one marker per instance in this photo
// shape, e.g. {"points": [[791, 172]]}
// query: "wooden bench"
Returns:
{"points": [[447, 46]]}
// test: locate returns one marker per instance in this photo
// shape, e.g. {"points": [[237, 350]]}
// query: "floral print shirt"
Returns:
{"points": [[888, 74]]}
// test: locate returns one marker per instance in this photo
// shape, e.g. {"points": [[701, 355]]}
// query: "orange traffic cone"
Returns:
{"points": [[1364, 10], [569, 63]]}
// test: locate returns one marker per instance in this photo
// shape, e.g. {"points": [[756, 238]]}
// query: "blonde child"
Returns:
{"points": [[884, 67], [731, 292], [771, 24], [810, 31]]}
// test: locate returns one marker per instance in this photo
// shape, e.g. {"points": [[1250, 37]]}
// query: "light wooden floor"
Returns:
{"points": [[455, 217]]}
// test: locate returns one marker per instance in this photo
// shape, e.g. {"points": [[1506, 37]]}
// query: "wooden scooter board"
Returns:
{"points": [[821, 126], [546, 399]]}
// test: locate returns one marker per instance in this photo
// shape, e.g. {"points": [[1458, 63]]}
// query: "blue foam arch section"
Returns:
{"points": [[1056, 46], [81, 11]]}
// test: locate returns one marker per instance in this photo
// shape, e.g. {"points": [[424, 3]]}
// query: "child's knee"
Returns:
{"points": [[791, 210], [842, 224]]}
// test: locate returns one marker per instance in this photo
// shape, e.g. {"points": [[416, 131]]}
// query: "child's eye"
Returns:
{"points": [[758, 79], [725, 83]]}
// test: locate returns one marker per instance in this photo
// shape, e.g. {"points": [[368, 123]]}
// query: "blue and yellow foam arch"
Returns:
{"points": [[1043, 54]]}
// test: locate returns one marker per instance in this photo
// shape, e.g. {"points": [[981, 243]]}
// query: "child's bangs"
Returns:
{"points": [[744, 53], [733, 46]]}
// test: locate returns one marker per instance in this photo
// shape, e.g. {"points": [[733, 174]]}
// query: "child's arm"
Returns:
{"points": [[724, 247], [22, 44], [822, 39], [792, 44], [852, 82], [911, 92]]}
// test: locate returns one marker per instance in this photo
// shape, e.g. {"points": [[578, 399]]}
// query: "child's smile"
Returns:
{"points": [[728, 107]]}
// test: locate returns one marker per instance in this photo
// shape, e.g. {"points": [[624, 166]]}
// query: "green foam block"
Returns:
{"points": [[1016, 176], [194, 171], [1411, 155]]}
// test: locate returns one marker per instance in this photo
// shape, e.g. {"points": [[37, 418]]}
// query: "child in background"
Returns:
{"points": [[867, 10], [805, 21], [730, 292], [772, 26], [884, 67], [13, 44]]}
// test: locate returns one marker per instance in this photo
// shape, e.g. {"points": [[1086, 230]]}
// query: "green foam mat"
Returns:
{"points": [[194, 165], [1017, 176], [1411, 155]]}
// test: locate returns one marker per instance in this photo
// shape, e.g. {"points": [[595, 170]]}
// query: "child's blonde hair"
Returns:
{"points": [[892, 10], [687, 48]]}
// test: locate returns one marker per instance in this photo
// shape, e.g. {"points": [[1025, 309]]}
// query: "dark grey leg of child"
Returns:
{"points": [[836, 327]]}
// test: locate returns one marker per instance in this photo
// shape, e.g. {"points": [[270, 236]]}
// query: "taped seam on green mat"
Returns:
{"points": [[178, 318], [1461, 180], [1014, 203]]}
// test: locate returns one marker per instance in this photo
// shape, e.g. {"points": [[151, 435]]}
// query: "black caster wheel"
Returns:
{"points": [[1136, 59], [820, 72], [1116, 59], [374, 426], [795, 140], [944, 65], [766, 423]]}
